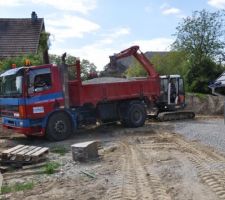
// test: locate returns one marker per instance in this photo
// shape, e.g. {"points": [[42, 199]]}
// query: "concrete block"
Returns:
{"points": [[85, 150]]}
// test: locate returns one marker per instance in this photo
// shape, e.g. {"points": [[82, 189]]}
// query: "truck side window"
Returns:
{"points": [[39, 80], [42, 82]]}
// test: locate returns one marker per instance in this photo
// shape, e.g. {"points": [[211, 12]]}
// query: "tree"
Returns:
{"points": [[201, 37], [199, 76], [44, 44], [173, 62], [35, 59], [135, 70], [169, 63], [86, 66]]}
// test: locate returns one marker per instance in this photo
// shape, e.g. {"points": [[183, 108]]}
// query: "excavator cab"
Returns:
{"points": [[172, 94]]}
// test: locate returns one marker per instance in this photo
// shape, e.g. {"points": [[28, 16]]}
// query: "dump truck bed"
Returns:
{"points": [[112, 89]]}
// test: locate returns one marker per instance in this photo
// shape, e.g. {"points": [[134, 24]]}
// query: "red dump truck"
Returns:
{"points": [[42, 101]]}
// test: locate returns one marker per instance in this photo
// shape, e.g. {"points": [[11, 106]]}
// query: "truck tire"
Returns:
{"points": [[59, 127], [135, 115]]}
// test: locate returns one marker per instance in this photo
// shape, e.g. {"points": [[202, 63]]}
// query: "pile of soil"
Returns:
{"points": [[205, 104]]}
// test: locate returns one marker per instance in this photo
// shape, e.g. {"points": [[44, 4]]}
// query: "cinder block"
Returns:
{"points": [[85, 150]]}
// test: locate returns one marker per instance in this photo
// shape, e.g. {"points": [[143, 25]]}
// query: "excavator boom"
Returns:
{"points": [[135, 51]]}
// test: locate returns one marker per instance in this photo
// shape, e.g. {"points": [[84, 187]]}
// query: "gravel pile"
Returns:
{"points": [[105, 80], [210, 132]]}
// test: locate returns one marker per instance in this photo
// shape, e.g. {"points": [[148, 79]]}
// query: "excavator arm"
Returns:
{"points": [[135, 51]]}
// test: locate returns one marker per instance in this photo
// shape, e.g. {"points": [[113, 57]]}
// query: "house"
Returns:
{"points": [[21, 36]]}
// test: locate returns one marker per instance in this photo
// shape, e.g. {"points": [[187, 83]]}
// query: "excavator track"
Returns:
{"points": [[175, 115]]}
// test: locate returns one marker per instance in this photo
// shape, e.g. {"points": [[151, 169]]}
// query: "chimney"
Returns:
{"points": [[34, 17]]}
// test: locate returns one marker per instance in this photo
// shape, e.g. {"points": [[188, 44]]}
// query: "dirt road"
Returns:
{"points": [[146, 163], [165, 166]]}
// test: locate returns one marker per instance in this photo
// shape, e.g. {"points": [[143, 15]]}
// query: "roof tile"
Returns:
{"points": [[19, 36]]}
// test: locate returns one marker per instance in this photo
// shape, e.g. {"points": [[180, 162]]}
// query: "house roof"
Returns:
{"points": [[19, 36], [150, 54]]}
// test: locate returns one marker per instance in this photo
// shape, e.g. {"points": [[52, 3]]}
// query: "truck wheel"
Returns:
{"points": [[59, 127], [135, 115]]}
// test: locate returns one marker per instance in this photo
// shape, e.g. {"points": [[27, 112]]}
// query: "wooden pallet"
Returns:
{"points": [[24, 153]]}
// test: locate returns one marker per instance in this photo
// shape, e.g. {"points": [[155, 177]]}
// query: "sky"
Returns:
{"points": [[96, 29]]}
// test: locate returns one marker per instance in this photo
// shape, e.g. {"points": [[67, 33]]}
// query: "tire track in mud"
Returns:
{"points": [[124, 187], [201, 160], [204, 154], [129, 184], [158, 190], [116, 190], [144, 190], [214, 181], [134, 180]]}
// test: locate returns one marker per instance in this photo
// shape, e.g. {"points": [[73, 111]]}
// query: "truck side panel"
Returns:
{"points": [[96, 93]]}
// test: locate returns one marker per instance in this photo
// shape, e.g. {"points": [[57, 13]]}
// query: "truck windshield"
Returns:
{"points": [[11, 84]]}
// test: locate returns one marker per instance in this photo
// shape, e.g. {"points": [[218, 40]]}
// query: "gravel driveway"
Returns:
{"points": [[208, 131]]}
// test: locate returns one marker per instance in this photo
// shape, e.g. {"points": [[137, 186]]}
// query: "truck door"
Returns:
{"points": [[173, 91], [40, 93], [176, 94]]}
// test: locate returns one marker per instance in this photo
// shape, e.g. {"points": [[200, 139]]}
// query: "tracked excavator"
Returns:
{"points": [[170, 103]]}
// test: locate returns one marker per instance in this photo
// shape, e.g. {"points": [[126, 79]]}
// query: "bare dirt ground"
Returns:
{"points": [[150, 162]]}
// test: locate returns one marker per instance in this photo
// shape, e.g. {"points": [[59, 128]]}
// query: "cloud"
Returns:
{"points": [[168, 10], [120, 32], [156, 44], [70, 26], [148, 9], [99, 52], [81, 6], [171, 11], [99, 55], [112, 35], [217, 3], [12, 3]]}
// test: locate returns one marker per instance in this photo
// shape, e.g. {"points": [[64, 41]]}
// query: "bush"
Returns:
{"points": [[51, 167], [35, 59], [200, 75], [17, 187]]}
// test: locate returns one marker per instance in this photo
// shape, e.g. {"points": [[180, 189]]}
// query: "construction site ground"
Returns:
{"points": [[180, 160]]}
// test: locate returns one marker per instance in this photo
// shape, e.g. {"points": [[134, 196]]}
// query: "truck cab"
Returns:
{"points": [[25, 102]]}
